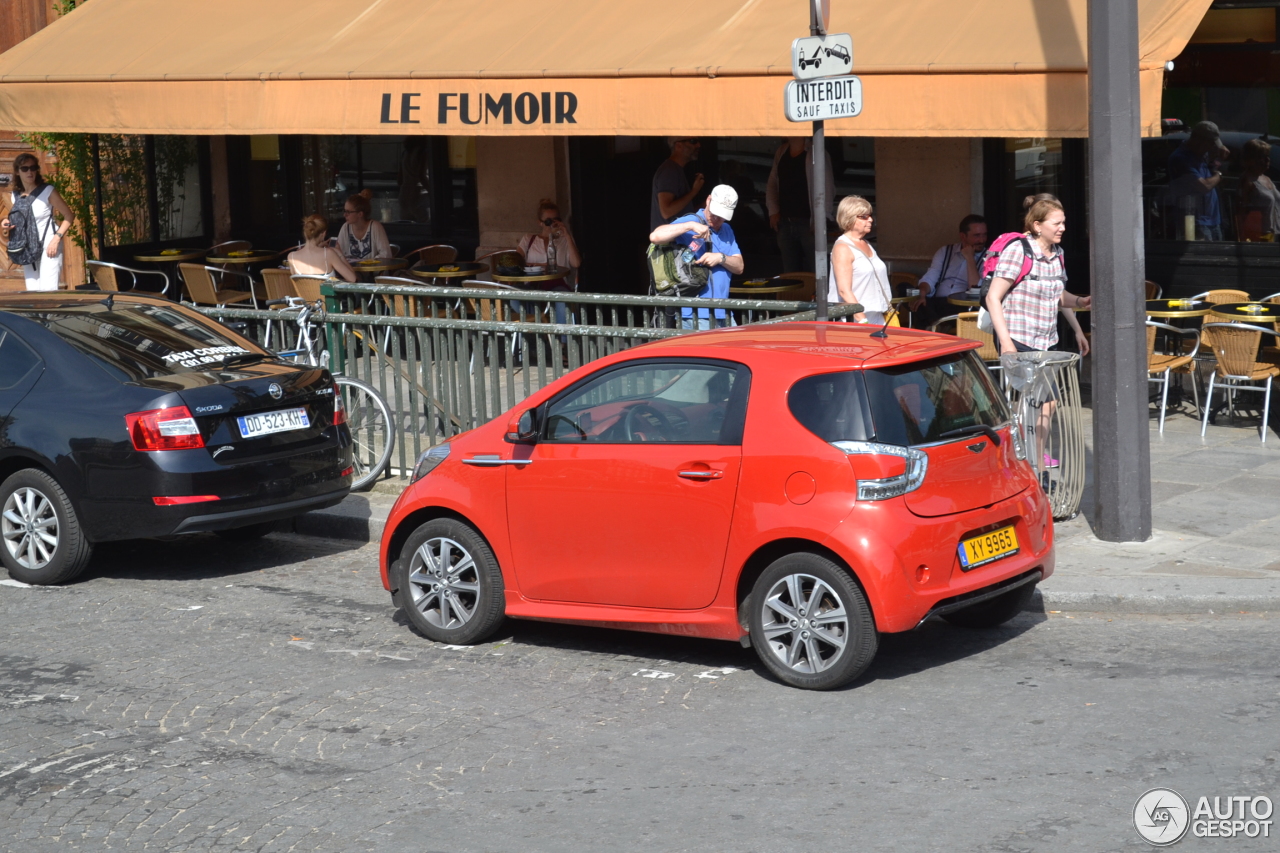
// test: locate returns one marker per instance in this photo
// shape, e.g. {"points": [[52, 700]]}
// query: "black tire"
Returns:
{"points": [[31, 495], [372, 430], [800, 653], [249, 532], [994, 611], [460, 601]]}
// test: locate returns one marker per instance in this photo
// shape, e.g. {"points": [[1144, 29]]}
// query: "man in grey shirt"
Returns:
{"points": [[672, 195]]}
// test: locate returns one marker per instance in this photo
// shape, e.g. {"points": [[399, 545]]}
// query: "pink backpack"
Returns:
{"points": [[990, 260]]}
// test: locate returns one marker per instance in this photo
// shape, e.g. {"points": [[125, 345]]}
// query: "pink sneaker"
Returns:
{"points": [[1050, 462]]}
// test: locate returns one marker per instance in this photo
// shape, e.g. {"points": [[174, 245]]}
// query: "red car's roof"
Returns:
{"points": [[822, 341]]}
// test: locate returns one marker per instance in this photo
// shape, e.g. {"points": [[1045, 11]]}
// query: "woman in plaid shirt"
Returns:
{"points": [[1024, 314]]}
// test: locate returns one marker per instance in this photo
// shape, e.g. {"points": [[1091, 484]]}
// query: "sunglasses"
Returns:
{"points": [[865, 217], [549, 221], [345, 212], [28, 168]]}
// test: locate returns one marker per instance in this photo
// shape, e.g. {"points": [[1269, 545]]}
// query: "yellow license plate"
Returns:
{"points": [[980, 550]]}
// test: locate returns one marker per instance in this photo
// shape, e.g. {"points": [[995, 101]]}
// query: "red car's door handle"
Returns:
{"points": [[702, 475], [493, 461]]}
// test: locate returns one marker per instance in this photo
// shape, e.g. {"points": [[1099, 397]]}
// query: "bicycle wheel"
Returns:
{"points": [[372, 432]]}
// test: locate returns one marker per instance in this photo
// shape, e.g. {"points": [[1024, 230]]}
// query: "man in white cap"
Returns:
{"points": [[709, 235]]}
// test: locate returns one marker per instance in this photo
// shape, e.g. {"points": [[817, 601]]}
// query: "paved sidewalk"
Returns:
{"points": [[1216, 521]]}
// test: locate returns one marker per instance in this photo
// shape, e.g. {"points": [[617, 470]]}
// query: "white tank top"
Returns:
{"points": [[870, 279]]}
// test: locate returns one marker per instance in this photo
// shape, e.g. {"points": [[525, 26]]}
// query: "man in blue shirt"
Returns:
{"points": [[1193, 180], [709, 235]]}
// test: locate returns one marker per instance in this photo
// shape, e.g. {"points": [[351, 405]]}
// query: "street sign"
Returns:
{"points": [[822, 56], [818, 100]]}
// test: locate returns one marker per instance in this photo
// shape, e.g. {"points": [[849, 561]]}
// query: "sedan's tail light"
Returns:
{"points": [[164, 429], [339, 408], [179, 500], [883, 488]]}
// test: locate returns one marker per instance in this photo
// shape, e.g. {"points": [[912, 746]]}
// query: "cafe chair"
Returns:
{"points": [[439, 253], [307, 287], [278, 284], [1160, 366], [395, 249], [502, 258], [203, 285], [108, 276], [1235, 346], [1154, 291], [966, 327], [1275, 297], [1221, 297]]}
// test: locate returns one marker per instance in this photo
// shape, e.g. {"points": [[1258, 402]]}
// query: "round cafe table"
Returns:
{"points": [[168, 260], [171, 256], [466, 269], [365, 270], [1267, 312], [1168, 309], [763, 287], [964, 300], [252, 256], [532, 278]]}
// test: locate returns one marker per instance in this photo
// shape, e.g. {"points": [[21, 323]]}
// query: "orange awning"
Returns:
{"points": [[578, 67]]}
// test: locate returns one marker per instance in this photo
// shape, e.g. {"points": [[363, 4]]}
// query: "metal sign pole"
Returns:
{"points": [[818, 191]]}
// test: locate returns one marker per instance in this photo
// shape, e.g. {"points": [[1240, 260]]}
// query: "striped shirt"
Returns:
{"points": [[1031, 306]]}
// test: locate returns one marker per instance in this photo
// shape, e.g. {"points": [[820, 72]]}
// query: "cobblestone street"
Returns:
{"points": [[173, 702]]}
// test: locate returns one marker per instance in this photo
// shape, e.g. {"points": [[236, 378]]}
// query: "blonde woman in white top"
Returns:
{"points": [[857, 273]]}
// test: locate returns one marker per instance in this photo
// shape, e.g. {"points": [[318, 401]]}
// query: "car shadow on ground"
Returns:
{"points": [[937, 643], [200, 556], [934, 644]]}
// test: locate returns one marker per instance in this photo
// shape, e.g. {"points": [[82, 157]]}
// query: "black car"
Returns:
{"points": [[126, 416]]}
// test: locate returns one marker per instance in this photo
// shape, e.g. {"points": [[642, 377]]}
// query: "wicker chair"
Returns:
{"points": [[308, 287], [202, 285], [231, 246], [967, 328], [278, 284], [107, 276], [502, 258], [1160, 366], [1235, 345], [436, 254], [1154, 291]]}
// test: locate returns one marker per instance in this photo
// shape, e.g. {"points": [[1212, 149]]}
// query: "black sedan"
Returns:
{"points": [[126, 416]]}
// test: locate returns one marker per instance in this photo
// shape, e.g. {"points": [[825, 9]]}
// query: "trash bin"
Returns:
{"points": [[1044, 393]]}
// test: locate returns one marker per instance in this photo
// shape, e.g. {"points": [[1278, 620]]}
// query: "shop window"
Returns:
{"points": [[401, 173], [1202, 188], [178, 187]]}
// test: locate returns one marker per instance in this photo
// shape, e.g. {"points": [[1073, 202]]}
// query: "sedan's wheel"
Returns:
{"points": [[994, 611], [450, 583], [41, 536], [810, 623]]}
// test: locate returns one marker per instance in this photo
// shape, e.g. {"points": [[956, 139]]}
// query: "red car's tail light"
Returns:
{"points": [[339, 410], [185, 499], [883, 488], [164, 429]]}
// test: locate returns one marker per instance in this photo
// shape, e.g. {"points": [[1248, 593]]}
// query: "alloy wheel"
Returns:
{"points": [[29, 526], [806, 625], [444, 582]]}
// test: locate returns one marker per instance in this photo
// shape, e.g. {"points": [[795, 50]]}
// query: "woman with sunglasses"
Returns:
{"points": [[45, 201], [857, 273], [552, 240], [361, 238]]}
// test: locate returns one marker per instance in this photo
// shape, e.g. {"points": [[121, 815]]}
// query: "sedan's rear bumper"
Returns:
{"points": [[255, 515]]}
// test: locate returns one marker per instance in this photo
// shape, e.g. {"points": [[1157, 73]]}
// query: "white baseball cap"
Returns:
{"points": [[724, 199]]}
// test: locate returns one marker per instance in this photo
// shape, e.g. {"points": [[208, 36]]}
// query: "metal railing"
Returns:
{"points": [[449, 359]]}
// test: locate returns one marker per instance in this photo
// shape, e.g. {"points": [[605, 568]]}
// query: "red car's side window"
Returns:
{"points": [[658, 402]]}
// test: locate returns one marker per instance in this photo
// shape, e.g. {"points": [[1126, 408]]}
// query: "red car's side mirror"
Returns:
{"points": [[523, 428]]}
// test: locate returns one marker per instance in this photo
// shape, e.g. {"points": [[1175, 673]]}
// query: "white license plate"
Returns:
{"points": [[266, 423]]}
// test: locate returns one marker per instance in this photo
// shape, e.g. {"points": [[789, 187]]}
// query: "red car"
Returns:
{"points": [[800, 488]]}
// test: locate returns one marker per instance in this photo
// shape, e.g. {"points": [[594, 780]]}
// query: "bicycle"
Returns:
{"points": [[368, 416]]}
